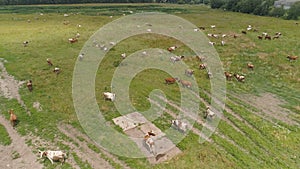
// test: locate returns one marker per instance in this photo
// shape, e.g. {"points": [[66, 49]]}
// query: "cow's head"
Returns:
{"points": [[42, 153]]}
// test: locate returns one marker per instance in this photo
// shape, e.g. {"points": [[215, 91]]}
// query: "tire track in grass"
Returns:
{"points": [[200, 122], [261, 136], [261, 153], [96, 160]]}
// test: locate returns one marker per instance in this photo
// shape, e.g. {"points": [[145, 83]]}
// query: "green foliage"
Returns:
{"points": [[4, 139], [294, 11]]}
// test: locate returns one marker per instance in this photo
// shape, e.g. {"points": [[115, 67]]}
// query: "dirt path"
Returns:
{"points": [[17, 155], [85, 153], [9, 87]]}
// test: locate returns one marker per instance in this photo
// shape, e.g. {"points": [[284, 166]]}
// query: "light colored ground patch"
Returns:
{"points": [[9, 87], [164, 147], [17, 154], [270, 107]]}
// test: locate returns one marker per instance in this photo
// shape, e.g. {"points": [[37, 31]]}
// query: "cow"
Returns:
{"points": [[185, 83], [13, 118], [109, 96], [25, 43], [189, 72], [49, 62], [56, 70], [228, 75], [208, 113], [73, 40], [250, 66], [244, 32], [172, 48], [170, 80], [259, 37], [240, 78], [176, 58], [202, 66], [54, 155], [291, 58], [179, 125], [150, 142], [29, 85], [268, 37]]}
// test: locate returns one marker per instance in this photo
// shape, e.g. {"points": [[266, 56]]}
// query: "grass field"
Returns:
{"points": [[248, 138]]}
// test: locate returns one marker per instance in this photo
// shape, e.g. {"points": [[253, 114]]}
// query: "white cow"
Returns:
{"points": [[180, 125], [209, 113], [150, 142], [176, 58], [54, 155], [109, 96]]}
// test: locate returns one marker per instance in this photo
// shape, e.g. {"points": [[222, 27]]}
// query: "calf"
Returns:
{"points": [[109, 96], [54, 155]]}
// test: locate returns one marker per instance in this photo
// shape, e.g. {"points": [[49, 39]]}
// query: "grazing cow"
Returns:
{"points": [[240, 78], [123, 55], [56, 70], [213, 26], [189, 72], [176, 58], [228, 75], [80, 56], [150, 142], [202, 66], [180, 125], [54, 155], [291, 58], [185, 83], [13, 118], [276, 37], [264, 33], [223, 43], [25, 43], [268, 37], [250, 66], [73, 40], [29, 85], [212, 43], [201, 28], [208, 113], [172, 48], [49, 62], [170, 80], [260, 37], [109, 96]]}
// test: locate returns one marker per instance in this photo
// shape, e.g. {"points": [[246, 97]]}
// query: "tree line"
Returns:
{"points": [[258, 7]]}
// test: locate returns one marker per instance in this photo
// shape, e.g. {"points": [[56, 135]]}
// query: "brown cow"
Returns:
{"points": [[291, 58], [170, 80], [12, 118], [73, 40], [29, 85], [250, 66], [228, 75]]}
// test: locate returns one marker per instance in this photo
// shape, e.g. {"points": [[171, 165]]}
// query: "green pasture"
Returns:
{"points": [[265, 144]]}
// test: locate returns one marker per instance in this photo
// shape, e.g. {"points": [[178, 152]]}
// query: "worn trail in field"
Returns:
{"points": [[17, 154]]}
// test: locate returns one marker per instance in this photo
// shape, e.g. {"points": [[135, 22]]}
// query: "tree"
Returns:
{"points": [[294, 11], [217, 3]]}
